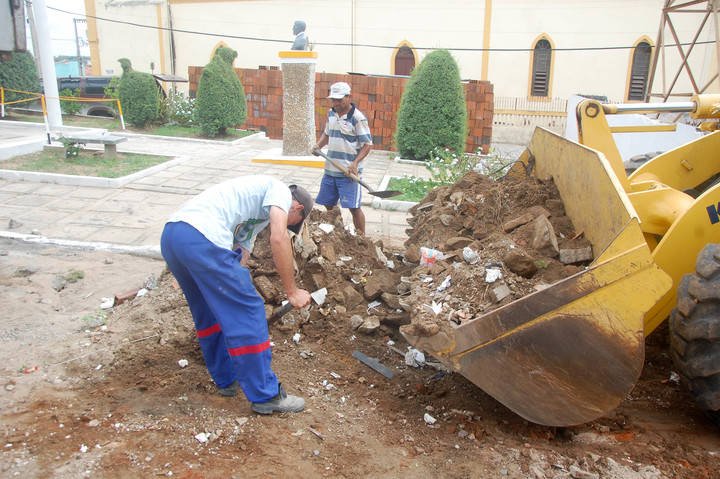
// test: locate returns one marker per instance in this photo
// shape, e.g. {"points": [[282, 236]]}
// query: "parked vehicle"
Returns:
{"points": [[90, 87]]}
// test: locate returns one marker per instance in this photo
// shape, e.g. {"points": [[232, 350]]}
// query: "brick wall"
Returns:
{"points": [[377, 97]]}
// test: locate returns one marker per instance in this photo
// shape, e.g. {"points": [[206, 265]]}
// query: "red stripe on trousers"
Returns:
{"points": [[207, 332], [256, 348]]}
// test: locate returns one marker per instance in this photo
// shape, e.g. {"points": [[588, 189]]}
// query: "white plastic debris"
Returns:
{"points": [[142, 292], [414, 358], [326, 227], [296, 338], [350, 229], [445, 284], [183, 363], [202, 437], [83, 448], [429, 419], [674, 377], [98, 367], [470, 256], [434, 307], [107, 303], [319, 296], [373, 305], [345, 258], [492, 275]]}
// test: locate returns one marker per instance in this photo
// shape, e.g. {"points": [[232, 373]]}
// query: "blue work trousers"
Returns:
{"points": [[228, 312]]}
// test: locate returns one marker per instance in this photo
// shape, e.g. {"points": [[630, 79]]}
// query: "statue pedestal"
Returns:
{"points": [[298, 76]]}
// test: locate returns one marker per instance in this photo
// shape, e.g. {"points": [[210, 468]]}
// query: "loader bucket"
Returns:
{"points": [[570, 353]]}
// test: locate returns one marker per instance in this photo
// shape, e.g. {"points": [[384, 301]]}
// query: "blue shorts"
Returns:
{"points": [[342, 188]]}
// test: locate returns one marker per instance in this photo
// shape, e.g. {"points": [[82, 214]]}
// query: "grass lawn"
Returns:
{"points": [[87, 163], [114, 124]]}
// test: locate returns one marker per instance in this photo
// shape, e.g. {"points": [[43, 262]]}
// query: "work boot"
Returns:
{"points": [[282, 402], [231, 390]]}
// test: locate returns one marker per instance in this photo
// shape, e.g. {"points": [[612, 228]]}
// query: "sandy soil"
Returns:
{"points": [[84, 395]]}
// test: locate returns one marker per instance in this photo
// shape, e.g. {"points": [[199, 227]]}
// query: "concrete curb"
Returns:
{"points": [[150, 251]]}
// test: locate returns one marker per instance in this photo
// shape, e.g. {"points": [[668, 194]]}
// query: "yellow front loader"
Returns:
{"points": [[570, 353]]}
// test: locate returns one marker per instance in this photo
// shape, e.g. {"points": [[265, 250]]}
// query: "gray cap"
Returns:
{"points": [[303, 197]]}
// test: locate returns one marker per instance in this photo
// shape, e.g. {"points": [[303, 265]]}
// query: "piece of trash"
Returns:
{"points": [[390, 342], [202, 438], [346, 258], [83, 448], [183, 363], [445, 284], [296, 338], [674, 377], [107, 303], [428, 256], [374, 364], [435, 308], [492, 275], [470, 256], [414, 358], [142, 292], [373, 305], [98, 367], [335, 375], [319, 296], [326, 227], [350, 229], [429, 419], [28, 369]]}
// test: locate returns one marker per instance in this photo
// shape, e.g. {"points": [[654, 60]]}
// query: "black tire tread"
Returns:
{"points": [[695, 331]]}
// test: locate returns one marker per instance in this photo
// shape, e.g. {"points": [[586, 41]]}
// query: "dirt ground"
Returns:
{"points": [[91, 394]]}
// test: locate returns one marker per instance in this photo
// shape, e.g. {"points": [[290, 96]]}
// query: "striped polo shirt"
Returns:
{"points": [[346, 136]]}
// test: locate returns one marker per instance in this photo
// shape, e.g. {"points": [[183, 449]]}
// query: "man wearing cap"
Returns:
{"points": [[348, 138], [206, 245]]}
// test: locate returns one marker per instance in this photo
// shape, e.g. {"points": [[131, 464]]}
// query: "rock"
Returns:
{"points": [[508, 226], [372, 289], [458, 242], [356, 321], [576, 255], [499, 292], [392, 300], [520, 264], [267, 289], [352, 298], [369, 325], [544, 239], [577, 473], [421, 329], [412, 254], [327, 251]]}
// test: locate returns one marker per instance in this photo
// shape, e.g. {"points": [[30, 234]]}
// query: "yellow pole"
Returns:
{"points": [[45, 117], [122, 120], [2, 102]]}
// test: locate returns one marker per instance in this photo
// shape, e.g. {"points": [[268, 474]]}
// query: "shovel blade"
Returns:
{"points": [[385, 194]]}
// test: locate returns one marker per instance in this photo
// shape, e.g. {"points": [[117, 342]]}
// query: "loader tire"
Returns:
{"points": [[695, 331]]}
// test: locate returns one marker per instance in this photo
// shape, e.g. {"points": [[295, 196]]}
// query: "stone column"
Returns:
{"points": [[298, 75]]}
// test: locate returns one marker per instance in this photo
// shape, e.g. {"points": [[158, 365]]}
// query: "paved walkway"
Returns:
{"points": [[129, 215]]}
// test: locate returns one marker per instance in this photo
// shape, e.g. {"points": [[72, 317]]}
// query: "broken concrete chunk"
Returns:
{"points": [[499, 292], [352, 298], [517, 222], [544, 239], [369, 325], [392, 300], [412, 254], [327, 251], [267, 289], [356, 321], [576, 255]]}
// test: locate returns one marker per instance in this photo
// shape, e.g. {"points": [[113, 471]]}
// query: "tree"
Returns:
{"points": [[432, 109], [19, 73], [138, 94], [220, 102]]}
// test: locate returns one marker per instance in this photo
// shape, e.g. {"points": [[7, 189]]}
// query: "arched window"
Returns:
{"points": [[404, 61], [542, 59], [639, 72]]}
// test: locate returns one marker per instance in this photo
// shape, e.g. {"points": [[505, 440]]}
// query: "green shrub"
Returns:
{"points": [[19, 73], [70, 107], [138, 94], [111, 91], [220, 102], [432, 110]]}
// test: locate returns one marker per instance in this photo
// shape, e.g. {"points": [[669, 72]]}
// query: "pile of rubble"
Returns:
{"points": [[472, 247]]}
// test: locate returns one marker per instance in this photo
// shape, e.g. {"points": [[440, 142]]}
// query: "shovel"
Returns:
{"points": [[379, 194], [318, 296]]}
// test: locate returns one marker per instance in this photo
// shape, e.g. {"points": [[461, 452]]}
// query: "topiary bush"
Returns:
{"points": [[220, 101], [19, 73], [432, 110], [138, 94]]}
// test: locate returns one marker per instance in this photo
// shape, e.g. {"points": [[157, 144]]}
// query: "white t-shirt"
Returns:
{"points": [[236, 210]]}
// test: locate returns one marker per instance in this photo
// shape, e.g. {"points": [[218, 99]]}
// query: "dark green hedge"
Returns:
{"points": [[19, 73], [138, 94], [432, 109], [220, 102]]}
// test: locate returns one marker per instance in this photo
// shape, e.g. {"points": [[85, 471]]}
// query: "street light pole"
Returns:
{"points": [[81, 66]]}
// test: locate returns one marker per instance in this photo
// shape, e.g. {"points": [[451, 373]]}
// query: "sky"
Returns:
{"points": [[62, 27]]}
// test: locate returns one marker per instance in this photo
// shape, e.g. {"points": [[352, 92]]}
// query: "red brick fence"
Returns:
{"points": [[376, 96]]}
